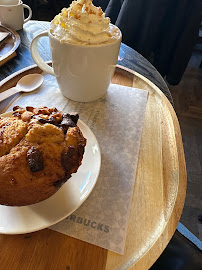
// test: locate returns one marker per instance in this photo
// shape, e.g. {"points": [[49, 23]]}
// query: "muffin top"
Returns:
{"points": [[40, 148]]}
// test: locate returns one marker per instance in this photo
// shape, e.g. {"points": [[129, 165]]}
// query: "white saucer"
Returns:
{"points": [[26, 219]]}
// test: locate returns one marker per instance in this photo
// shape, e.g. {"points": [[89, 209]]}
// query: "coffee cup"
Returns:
{"points": [[83, 72], [9, 2], [12, 14]]}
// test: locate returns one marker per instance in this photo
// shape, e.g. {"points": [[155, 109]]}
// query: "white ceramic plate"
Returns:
{"points": [[25, 219]]}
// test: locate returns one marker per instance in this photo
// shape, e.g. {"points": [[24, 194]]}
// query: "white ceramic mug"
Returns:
{"points": [[12, 15], [83, 72], [9, 2]]}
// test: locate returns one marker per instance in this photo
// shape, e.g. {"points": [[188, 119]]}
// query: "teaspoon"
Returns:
{"points": [[27, 83]]}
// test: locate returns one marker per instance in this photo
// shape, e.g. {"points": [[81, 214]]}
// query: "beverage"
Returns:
{"points": [[84, 48]]}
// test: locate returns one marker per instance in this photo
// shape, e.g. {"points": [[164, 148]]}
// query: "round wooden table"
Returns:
{"points": [[160, 178]]}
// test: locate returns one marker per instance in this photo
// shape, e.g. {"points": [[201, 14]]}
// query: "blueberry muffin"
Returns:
{"points": [[40, 148]]}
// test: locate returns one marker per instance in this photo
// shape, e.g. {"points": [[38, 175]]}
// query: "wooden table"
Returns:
{"points": [[160, 178]]}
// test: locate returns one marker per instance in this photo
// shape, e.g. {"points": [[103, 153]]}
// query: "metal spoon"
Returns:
{"points": [[27, 83]]}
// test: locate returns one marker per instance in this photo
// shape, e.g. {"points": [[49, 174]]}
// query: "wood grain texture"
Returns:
{"points": [[161, 165], [157, 203], [50, 250]]}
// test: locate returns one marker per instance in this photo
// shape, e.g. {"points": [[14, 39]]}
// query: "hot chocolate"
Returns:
{"points": [[84, 49]]}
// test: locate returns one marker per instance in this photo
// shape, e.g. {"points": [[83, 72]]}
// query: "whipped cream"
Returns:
{"points": [[83, 23]]}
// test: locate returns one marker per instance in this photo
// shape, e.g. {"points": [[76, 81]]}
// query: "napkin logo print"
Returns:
{"points": [[89, 223]]}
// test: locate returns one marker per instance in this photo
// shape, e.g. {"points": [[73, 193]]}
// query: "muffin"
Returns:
{"points": [[40, 148]]}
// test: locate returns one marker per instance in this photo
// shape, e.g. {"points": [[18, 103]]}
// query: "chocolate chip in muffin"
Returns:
{"points": [[16, 108], [68, 120], [74, 117], [55, 118], [35, 160], [17, 114], [69, 158], [66, 123], [40, 119], [53, 110]]}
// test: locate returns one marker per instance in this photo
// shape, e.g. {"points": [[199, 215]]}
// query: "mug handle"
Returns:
{"points": [[30, 13], [36, 56]]}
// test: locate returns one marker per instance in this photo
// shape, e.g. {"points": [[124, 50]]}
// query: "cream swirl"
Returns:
{"points": [[83, 23]]}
